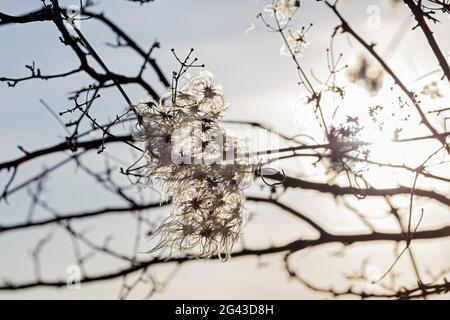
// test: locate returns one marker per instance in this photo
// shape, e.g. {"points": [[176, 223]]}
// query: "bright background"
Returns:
{"points": [[259, 84]]}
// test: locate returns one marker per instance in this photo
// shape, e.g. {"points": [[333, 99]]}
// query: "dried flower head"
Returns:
{"points": [[432, 90], [204, 169]]}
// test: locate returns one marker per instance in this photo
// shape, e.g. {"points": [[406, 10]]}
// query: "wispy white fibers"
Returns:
{"points": [[195, 161]]}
